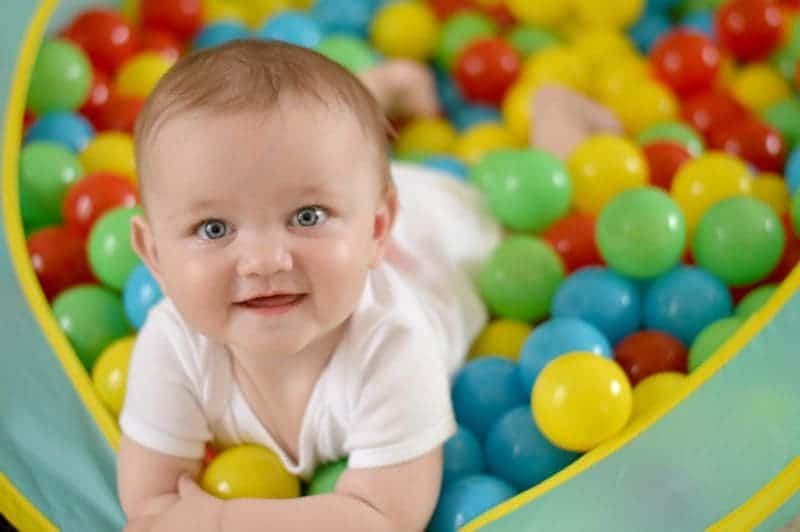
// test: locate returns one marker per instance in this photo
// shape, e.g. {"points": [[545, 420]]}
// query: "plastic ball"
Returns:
{"points": [[294, 27], [673, 132], [520, 277], [219, 10], [758, 86], [516, 108], [483, 390], [58, 256], [466, 499], [581, 400], [111, 255], [468, 115], [106, 37], [554, 338], [784, 116], [517, 452], [711, 339], [654, 391], [92, 317], [458, 32], [706, 180], [138, 75], [351, 18], [686, 61], [729, 228], [573, 238], [792, 171], [140, 294], [92, 196], [98, 98], [486, 68], [541, 13], [110, 373], [161, 42], [685, 300], [110, 151], [350, 52], [708, 111], [451, 165], [753, 141], [257, 12], [463, 456], [390, 26], [482, 139], [219, 33], [613, 78], [615, 14], [603, 166], [120, 114], [46, 171], [664, 159], [601, 297], [755, 300], [182, 18], [646, 104], [644, 353], [641, 233], [791, 253], [62, 65], [529, 39], [249, 471], [702, 21], [750, 29], [559, 64], [68, 129], [648, 30], [325, 477], [426, 135], [501, 338], [597, 46]]}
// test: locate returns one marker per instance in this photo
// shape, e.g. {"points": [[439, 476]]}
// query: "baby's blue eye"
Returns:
{"points": [[212, 229], [309, 216]]}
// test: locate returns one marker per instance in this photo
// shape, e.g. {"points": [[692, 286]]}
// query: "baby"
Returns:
{"points": [[317, 299]]}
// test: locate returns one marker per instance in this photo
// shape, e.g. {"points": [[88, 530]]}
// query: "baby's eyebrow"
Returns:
{"points": [[193, 207]]}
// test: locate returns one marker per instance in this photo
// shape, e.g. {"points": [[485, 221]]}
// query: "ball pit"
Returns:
{"points": [[753, 364]]}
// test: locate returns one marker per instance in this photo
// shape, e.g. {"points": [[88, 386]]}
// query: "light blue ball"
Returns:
{"points": [[605, 299], [485, 389], [466, 499], [517, 452], [294, 27], [556, 337], [140, 295], [68, 129], [648, 29], [349, 17], [702, 21], [450, 165], [792, 171], [448, 92], [468, 115], [218, 33], [684, 301], [463, 456]]}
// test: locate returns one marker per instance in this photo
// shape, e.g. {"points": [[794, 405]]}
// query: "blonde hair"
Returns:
{"points": [[252, 75]]}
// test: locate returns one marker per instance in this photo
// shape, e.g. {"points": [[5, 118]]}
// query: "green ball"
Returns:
{"points": [[458, 32], [673, 131], [785, 117], [527, 190], [325, 477], [92, 317], [755, 300], [711, 338], [784, 60], [528, 39], [520, 277], [46, 172], [352, 53], [796, 212], [740, 240], [61, 78], [641, 233], [111, 254]]}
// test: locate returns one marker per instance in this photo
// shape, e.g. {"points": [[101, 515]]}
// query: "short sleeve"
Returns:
{"points": [[402, 409], [161, 410]]}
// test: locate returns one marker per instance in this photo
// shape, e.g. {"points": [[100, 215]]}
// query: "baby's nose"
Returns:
{"points": [[264, 258]]}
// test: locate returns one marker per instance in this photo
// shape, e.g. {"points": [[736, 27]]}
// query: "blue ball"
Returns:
{"points": [[293, 27], [601, 297], [648, 29], [466, 499], [702, 21], [218, 33], [660, 6], [485, 389], [463, 456], [448, 92], [557, 337], [450, 165], [69, 129], [517, 452], [468, 115], [349, 17], [682, 302], [141, 294], [792, 171]]}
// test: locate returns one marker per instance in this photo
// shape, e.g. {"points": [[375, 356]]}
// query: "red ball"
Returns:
{"points": [[750, 29], [162, 42], [710, 110], [791, 253], [105, 36], [445, 9], [58, 255], [501, 15], [573, 238], [754, 141], [686, 60], [120, 113], [486, 68], [664, 159], [88, 199], [645, 353], [181, 17], [99, 96]]}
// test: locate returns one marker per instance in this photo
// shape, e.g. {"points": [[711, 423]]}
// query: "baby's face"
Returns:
{"points": [[262, 230]]}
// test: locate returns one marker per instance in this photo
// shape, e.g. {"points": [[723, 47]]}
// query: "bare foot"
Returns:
{"points": [[404, 88]]}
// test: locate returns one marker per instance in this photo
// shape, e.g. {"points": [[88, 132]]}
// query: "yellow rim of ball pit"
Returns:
{"points": [[19, 509]]}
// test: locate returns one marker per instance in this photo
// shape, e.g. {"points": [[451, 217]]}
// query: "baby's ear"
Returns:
{"points": [[145, 246], [382, 226]]}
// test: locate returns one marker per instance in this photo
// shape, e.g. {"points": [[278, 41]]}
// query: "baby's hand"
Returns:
{"points": [[193, 511], [403, 87]]}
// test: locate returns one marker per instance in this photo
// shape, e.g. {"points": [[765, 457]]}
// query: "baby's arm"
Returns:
{"points": [[403, 87]]}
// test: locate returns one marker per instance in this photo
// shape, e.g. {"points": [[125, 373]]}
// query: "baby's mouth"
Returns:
{"points": [[271, 301]]}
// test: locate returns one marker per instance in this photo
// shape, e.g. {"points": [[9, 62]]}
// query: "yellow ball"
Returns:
{"points": [[655, 390], [706, 180], [758, 86], [110, 151], [598, 46], [557, 63], [426, 135], [539, 12], [772, 190], [611, 13], [138, 75], [249, 471], [258, 11], [644, 104], [501, 337], [580, 400], [517, 108], [216, 10], [392, 24], [615, 78], [603, 166], [482, 139], [110, 373]]}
